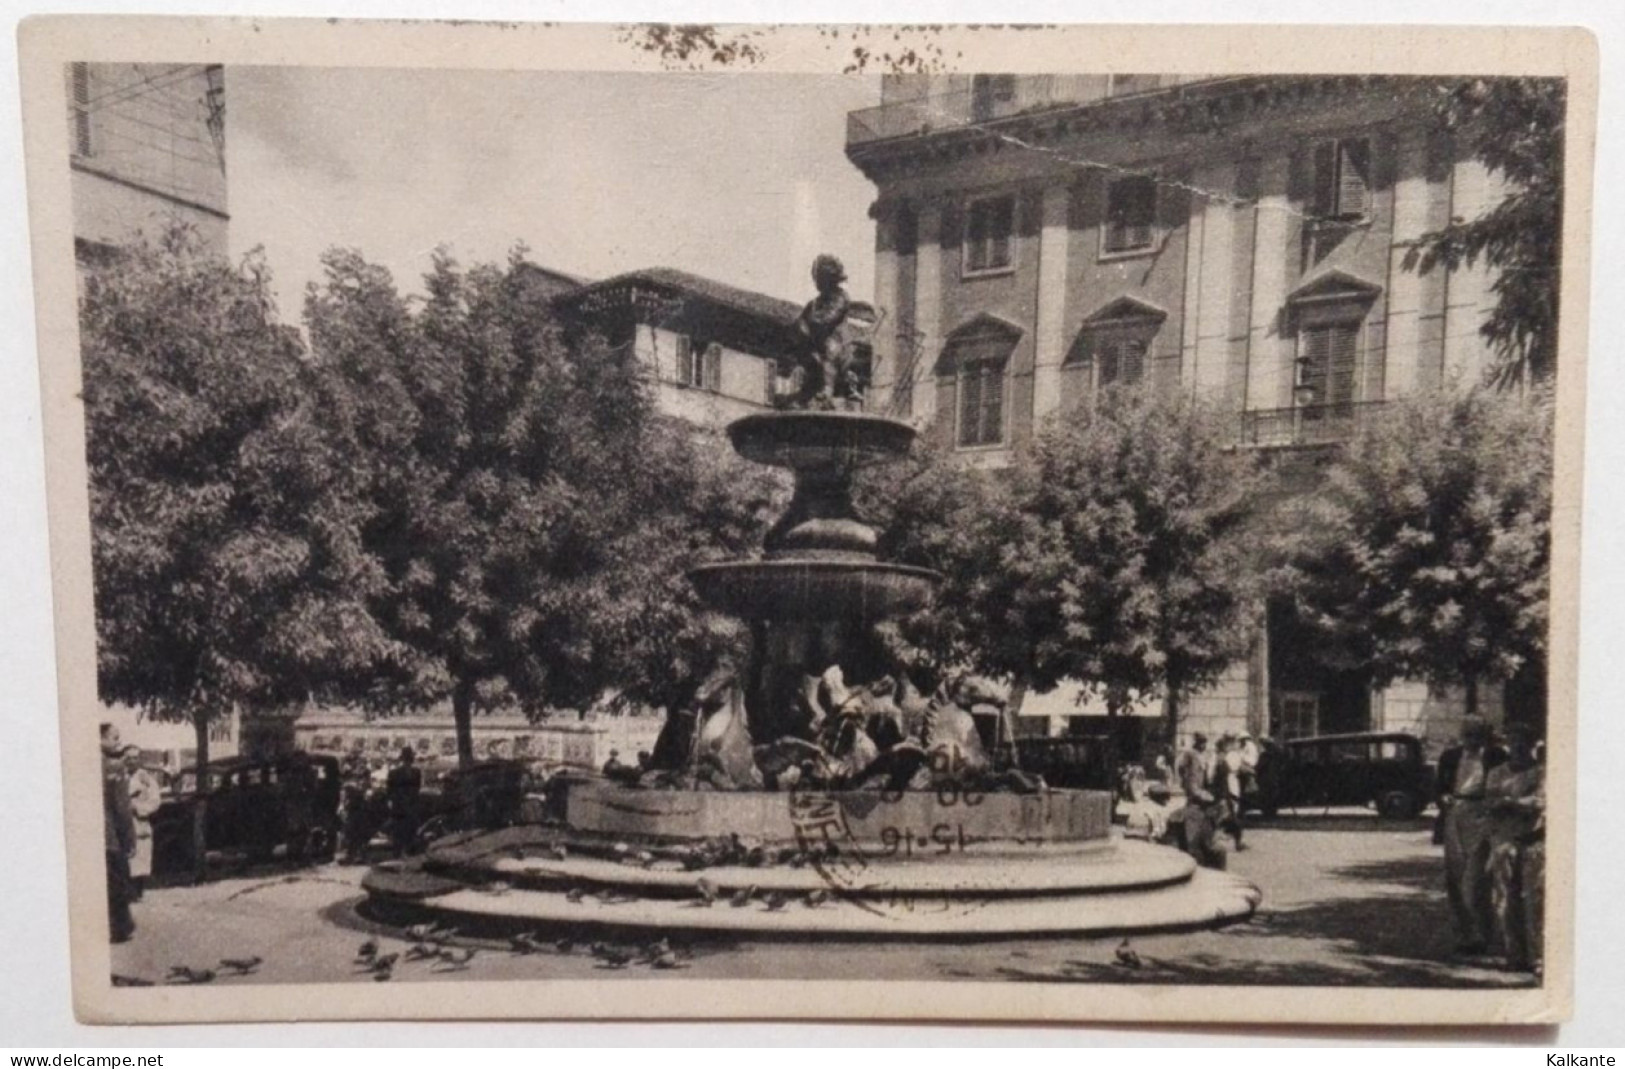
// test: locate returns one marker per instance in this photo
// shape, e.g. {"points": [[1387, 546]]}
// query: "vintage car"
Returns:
{"points": [[254, 808], [1386, 770], [485, 794]]}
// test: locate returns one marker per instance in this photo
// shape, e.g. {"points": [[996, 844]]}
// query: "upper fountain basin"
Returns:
{"points": [[803, 439]]}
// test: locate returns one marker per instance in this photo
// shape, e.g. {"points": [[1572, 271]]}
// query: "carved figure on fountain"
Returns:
{"points": [[829, 369]]}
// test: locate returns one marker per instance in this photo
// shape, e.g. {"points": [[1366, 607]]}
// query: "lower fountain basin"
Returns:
{"points": [[859, 591], [923, 822]]}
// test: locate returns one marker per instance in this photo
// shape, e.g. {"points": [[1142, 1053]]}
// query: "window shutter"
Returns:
{"points": [[81, 109], [684, 372], [970, 405], [712, 368], [1353, 177], [992, 403], [1324, 193], [1342, 352], [976, 237], [1314, 346]]}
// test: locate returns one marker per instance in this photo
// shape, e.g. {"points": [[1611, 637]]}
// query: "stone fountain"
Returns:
{"points": [[803, 783]]}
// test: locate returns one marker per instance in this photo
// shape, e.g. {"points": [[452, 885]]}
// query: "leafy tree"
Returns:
{"points": [[532, 514], [1515, 126], [1429, 544], [228, 572], [1112, 553]]}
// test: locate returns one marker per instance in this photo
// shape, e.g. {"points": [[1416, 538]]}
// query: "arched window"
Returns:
{"points": [[977, 356]]}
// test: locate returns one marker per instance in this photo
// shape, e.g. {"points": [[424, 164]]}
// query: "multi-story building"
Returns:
{"points": [[1239, 238], [146, 147], [710, 348]]}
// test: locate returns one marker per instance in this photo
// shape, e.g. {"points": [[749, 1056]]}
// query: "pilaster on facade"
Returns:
{"points": [[883, 392], [1276, 225], [1049, 336], [928, 281], [1210, 281]]}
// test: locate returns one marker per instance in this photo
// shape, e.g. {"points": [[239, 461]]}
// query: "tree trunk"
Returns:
{"points": [[1171, 714], [1012, 709], [200, 812], [462, 714], [1471, 686]]}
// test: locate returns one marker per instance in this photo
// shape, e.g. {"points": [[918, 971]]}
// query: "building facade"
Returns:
{"points": [[1242, 239], [147, 147]]}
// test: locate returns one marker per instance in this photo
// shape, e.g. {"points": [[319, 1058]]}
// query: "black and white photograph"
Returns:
{"points": [[896, 516]]}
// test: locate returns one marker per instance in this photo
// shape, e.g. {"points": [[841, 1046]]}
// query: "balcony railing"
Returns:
{"points": [[1307, 424], [1029, 93]]}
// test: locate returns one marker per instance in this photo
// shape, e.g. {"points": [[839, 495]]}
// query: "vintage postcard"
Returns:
{"points": [[1007, 523]]}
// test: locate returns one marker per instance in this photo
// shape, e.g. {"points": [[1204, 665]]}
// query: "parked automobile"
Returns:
{"points": [[1386, 770], [254, 807], [486, 794]]}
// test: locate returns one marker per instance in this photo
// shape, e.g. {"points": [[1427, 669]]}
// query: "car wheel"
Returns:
{"points": [[1398, 805]]}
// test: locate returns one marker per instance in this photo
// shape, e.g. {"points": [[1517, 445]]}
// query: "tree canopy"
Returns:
{"points": [[227, 568], [1515, 126], [531, 512], [1111, 553], [1428, 546]]}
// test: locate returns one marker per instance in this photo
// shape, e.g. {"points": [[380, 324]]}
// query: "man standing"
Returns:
{"points": [[146, 795], [1463, 774], [1199, 821], [118, 825], [401, 788]]}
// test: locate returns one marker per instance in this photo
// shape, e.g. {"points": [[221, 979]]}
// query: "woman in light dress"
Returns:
{"points": [[146, 795], [1515, 797]]}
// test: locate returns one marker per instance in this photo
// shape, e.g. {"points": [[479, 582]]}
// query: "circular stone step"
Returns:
{"points": [[1122, 865], [1205, 900]]}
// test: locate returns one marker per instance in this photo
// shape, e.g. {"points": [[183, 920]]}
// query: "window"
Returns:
{"points": [[80, 76], [1131, 213], [1343, 179], [989, 225], [1120, 360], [981, 402], [699, 365], [991, 95], [975, 361], [1328, 359]]}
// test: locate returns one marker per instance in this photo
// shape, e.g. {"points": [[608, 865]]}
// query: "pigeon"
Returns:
{"points": [[742, 898], [383, 974], [707, 890], [242, 966], [755, 857], [524, 943], [420, 933], [495, 887], [419, 951], [655, 950], [456, 958], [565, 945], [798, 860], [776, 900], [612, 957], [621, 849], [185, 974], [517, 853], [367, 951], [383, 963], [442, 936], [559, 851], [1127, 956], [575, 895], [816, 898], [615, 898], [668, 960], [646, 859]]}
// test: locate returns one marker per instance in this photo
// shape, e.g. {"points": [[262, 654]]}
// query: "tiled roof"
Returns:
{"points": [[748, 302]]}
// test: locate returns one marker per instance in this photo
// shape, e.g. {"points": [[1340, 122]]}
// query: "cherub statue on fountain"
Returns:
{"points": [[825, 372]]}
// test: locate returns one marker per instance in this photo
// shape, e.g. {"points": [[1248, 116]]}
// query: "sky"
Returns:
{"points": [[738, 177]]}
